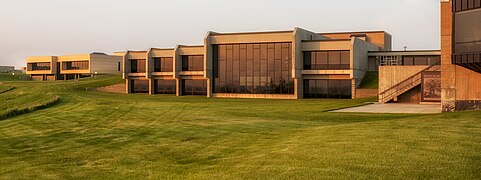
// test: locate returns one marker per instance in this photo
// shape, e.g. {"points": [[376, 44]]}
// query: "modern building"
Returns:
{"points": [[408, 76], [50, 68], [461, 54], [281, 65], [6, 69], [298, 64]]}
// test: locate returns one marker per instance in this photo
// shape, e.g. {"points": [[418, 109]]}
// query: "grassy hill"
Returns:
{"points": [[12, 76], [97, 135], [370, 81]]}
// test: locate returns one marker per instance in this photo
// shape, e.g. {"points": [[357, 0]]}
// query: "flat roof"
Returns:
{"points": [[252, 32], [324, 40], [411, 52], [355, 32]]}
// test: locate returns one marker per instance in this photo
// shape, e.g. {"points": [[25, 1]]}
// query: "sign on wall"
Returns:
{"points": [[431, 87]]}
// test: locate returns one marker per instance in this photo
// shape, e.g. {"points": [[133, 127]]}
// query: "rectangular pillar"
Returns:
{"points": [[151, 86], [178, 87]]}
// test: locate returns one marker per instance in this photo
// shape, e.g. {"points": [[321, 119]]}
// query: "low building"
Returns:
{"points": [[7, 69], [50, 68], [281, 64]]}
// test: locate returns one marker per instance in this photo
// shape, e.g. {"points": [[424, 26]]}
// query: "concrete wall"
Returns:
{"points": [[105, 64], [461, 87], [359, 59], [379, 38], [392, 75]]}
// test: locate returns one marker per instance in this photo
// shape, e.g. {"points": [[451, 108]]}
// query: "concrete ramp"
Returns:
{"points": [[118, 88], [395, 108]]}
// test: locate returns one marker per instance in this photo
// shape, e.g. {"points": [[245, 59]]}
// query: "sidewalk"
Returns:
{"points": [[395, 108]]}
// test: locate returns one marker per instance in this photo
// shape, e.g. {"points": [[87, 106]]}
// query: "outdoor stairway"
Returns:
{"points": [[405, 85], [118, 88]]}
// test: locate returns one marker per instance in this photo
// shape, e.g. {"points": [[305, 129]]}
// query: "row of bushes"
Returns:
{"points": [[16, 112]]}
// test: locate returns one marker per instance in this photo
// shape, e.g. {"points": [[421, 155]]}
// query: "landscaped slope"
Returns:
{"points": [[101, 135]]}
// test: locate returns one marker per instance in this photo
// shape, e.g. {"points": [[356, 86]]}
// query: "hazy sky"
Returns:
{"points": [[56, 27]]}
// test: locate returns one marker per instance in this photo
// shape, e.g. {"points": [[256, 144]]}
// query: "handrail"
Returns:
{"points": [[392, 87], [408, 81]]}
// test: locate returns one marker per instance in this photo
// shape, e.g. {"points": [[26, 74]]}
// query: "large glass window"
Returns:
{"points": [[75, 65], [261, 68], [467, 34], [164, 64], [194, 87], [193, 63], [139, 86], [137, 66], [328, 88], [164, 86], [41, 66], [327, 60]]}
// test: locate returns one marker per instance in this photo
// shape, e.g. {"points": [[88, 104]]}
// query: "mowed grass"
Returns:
{"points": [[97, 135]]}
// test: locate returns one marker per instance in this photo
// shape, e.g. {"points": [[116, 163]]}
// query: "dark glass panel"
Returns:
{"points": [[408, 61], [193, 63], [345, 59], [420, 60], [137, 65], [139, 86], [457, 5], [467, 37], [307, 60], [334, 60], [157, 64], [322, 60], [164, 86]]}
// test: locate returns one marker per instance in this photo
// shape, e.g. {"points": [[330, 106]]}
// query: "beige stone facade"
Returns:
{"points": [[299, 41], [50, 68]]}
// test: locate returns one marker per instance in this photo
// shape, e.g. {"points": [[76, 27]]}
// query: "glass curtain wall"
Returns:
{"points": [[164, 86], [38, 66], [194, 87], [328, 88], [139, 86], [75, 65], [327, 60], [258, 68]]}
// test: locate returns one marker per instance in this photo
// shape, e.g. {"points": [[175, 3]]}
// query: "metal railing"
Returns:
{"points": [[405, 85]]}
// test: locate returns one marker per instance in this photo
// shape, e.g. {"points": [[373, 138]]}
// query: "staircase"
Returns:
{"points": [[118, 88], [405, 85]]}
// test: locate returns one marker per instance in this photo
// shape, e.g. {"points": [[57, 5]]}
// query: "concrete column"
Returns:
{"points": [[298, 88], [209, 88], [127, 86], [151, 86], [353, 87], [178, 87]]}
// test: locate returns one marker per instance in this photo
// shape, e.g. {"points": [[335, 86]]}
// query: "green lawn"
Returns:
{"points": [[370, 81], [17, 76], [97, 135]]}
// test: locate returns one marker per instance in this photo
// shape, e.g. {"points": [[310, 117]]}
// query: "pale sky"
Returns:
{"points": [[58, 27]]}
